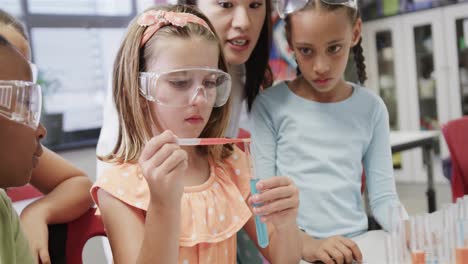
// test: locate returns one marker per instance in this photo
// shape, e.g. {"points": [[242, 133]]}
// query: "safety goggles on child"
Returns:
{"points": [[21, 101], [181, 87], [285, 7], [34, 70]]}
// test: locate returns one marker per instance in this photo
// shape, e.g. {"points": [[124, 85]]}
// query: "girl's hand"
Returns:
{"points": [[280, 200], [336, 249], [35, 228], [164, 164]]}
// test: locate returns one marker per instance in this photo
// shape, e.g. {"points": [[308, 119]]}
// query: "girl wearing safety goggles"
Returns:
{"points": [[244, 30], [323, 131], [20, 107], [66, 187], [20, 148], [166, 203]]}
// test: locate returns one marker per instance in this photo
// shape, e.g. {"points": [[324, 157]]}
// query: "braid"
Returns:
{"points": [[287, 25], [359, 60]]}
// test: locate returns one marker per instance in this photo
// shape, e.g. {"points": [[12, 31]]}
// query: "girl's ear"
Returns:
{"points": [[357, 29]]}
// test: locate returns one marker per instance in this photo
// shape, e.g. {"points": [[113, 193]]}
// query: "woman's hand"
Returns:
{"points": [[164, 164], [332, 250], [35, 228], [279, 199]]}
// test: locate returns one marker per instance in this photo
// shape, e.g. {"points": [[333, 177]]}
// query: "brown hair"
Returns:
{"points": [[258, 72], [353, 15], [9, 20], [134, 128]]}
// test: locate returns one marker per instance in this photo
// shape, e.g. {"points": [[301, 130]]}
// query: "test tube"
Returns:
{"points": [[452, 233], [438, 229], [418, 255], [446, 238], [209, 141], [460, 208], [440, 258], [397, 233], [390, 249], [262, 232], [428, 239], [465, 206], [461, 251], [403, 233]]}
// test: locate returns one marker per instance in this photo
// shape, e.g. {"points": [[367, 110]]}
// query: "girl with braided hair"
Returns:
{"points": [[322, 131]]}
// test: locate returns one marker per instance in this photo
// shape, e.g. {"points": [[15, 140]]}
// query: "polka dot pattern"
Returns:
{"points": [[211, 213]]}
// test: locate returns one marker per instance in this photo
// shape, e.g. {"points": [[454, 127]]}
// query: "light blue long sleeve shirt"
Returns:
{"points": [[323, 148]]}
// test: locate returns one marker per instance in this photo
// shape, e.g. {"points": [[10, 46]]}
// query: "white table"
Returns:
{"points": [[405, 140]]}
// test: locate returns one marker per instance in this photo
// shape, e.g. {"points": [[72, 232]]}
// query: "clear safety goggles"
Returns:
{"points": [[34, 70], [285, 7], [21, 101], [181, 87]]}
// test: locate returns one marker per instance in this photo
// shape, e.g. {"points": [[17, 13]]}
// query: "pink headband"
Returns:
{"points": [[154, 20]]}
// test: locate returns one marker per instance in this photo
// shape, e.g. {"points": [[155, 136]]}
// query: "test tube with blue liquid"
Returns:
{"points": [[262, 232]]}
